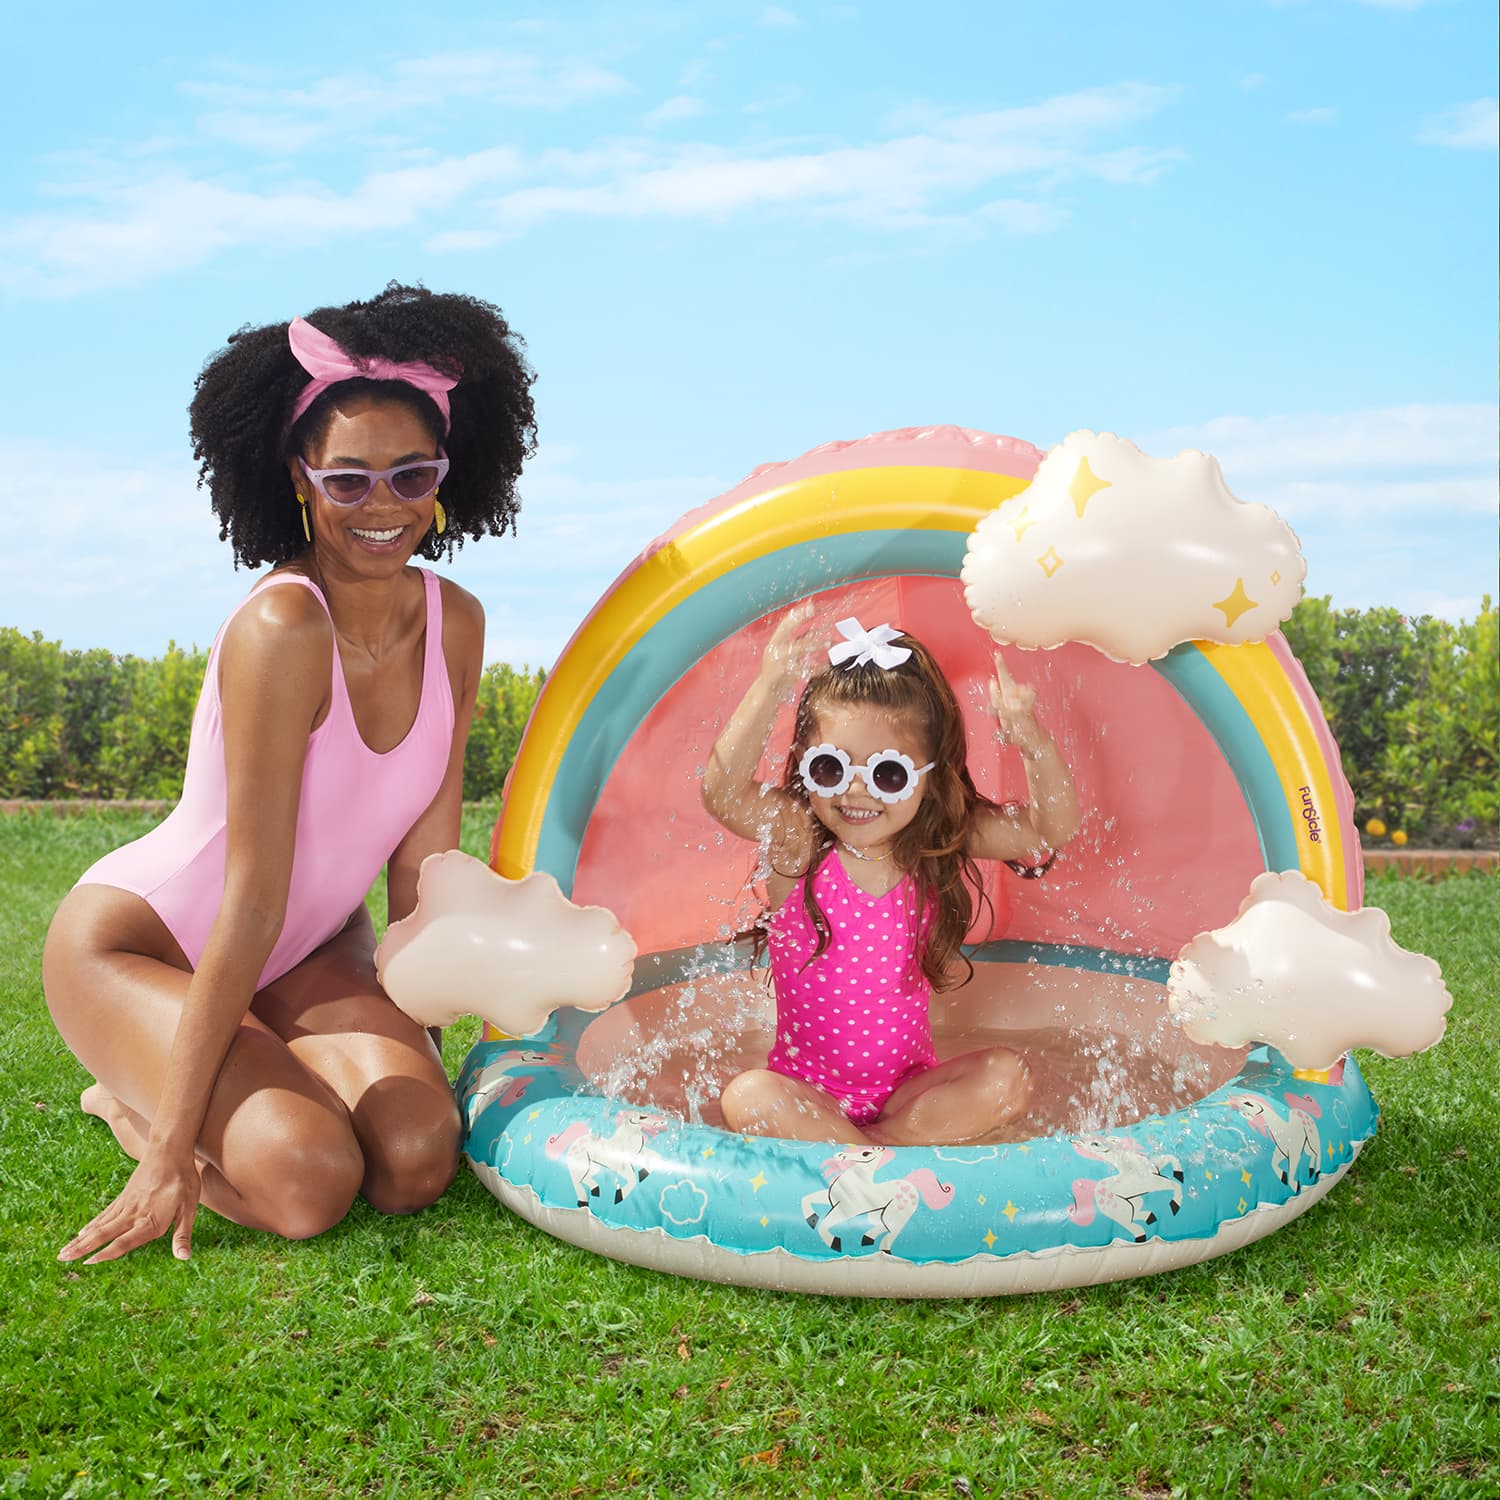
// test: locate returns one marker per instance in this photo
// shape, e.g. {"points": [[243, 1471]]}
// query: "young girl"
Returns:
{"points": [[872, 840]]}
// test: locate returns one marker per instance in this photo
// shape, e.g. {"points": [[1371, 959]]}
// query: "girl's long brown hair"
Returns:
{"points": [[933, 846]]}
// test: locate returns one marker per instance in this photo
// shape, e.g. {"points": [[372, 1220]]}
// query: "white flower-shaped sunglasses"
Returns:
{"points": [[888, 775]]}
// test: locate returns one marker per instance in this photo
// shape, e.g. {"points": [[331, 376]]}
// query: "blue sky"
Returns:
{"points": [[730, 232]]}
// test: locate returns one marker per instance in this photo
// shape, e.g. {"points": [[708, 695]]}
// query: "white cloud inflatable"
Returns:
{"points": [[1308, 979], [508, 951], [1131, 554]]}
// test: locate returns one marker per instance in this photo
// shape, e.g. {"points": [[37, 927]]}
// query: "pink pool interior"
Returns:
{"points": [[1167, 849]]}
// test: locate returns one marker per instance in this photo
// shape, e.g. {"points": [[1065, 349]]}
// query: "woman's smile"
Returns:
{"points": [[387, 539]]}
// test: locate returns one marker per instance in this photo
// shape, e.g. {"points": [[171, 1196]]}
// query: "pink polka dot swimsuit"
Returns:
{"points": [[854, 1021]]}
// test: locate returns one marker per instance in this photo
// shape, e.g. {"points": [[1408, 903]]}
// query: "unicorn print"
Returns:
{"points": [[495, 1085], [1291, 1135], [1121, 1196], [852, 1193], [626, 1152]]}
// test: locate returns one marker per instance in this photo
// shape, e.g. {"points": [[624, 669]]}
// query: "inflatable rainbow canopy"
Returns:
{"points": [[1201, 770]]}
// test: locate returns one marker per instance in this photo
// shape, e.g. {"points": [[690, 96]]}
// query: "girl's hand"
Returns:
{"points": [[792, 653], [1015, 707], [161, 1193]]}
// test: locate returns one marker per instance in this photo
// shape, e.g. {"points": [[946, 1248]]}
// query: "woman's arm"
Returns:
{"points": [[731, 793], [1032, 832], [275, 666], [438, 827]]}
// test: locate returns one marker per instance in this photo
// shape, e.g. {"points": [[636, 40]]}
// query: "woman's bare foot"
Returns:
{"points": [[128, 1127]]}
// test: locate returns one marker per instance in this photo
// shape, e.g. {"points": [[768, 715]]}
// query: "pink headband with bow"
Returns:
{"points": [[327, 363]]}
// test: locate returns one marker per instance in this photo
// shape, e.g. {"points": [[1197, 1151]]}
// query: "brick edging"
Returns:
{"points": [[64, 805], [1434, 862]]}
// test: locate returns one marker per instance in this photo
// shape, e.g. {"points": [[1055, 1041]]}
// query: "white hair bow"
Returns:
{"points": [[860, 646]]}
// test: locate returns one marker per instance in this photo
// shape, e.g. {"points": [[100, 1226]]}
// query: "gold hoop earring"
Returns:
{"points": [[306, 528], [439, 515]]}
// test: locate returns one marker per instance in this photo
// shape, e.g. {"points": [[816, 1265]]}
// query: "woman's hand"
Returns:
{"points": [[1015, 707], [162, 1194], [793, 651]]}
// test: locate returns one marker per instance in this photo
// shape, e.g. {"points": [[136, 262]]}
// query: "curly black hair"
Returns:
{"points": [[245, 393]]}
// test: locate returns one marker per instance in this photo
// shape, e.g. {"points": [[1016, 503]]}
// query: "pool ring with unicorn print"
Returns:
{"points": [[1201, 770]]}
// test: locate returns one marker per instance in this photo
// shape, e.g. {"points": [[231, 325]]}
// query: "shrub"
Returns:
{"points": [[31, 714], [95, 694], [144, 746], [1440, 760], [1413, 704], [501, 710]]}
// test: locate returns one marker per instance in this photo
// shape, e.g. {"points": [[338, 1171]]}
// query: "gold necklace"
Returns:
{"points": [[873, 859]]}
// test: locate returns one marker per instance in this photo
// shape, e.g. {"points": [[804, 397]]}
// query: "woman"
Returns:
{"points": [[217, 977]]}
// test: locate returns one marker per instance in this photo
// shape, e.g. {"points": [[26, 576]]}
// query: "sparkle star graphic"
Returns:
{"points": [[1086, 484], [1235, 603]]}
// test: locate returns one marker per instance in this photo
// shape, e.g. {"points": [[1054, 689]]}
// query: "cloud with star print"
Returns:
{"points": [[1130, 554]]}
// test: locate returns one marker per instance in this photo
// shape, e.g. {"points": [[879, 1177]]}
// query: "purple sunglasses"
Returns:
{"points": [[408, 481]]}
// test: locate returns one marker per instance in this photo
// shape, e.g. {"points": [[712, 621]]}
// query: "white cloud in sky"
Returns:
{"points": [[1383, 445], [122, 223], [1021, 215], [1474, 126], [265, 131], [679, 107], [134, 231], [901, 181], [1252, 81], [275, 118], [779, 16], [1379, 498]]}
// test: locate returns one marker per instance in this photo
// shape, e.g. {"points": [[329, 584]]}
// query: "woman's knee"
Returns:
{"points": [[300, 1179], [60, 960], [412, 1156]]}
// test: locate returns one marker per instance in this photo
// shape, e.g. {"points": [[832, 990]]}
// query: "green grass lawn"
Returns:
{"points": [[463, 1352]]}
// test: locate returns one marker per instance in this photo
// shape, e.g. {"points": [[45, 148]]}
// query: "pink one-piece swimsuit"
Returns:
{"points": [[355, 808], [854, 1021]]}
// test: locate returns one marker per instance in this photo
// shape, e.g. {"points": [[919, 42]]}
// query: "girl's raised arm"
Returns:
{"points": [[1033, 832], [730, 791]]}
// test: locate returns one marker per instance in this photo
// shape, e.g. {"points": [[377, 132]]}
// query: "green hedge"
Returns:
{"points": [[1414, 705]]}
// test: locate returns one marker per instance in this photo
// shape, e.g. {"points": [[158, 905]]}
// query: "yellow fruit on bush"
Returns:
{"points": [[1375, 828], [1398, 838]]}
